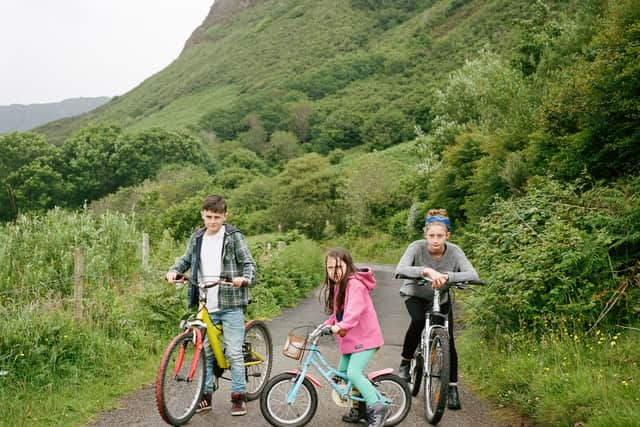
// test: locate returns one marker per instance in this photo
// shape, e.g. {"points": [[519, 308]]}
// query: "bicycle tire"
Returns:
{"points": [[178, 394], [274, 406], [257, 339], [436, 381], [396, 391], [416, 372]]}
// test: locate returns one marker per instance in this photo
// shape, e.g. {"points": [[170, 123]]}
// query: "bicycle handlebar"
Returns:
{"points": [[422, 281], [181, 278], [324, 330]]}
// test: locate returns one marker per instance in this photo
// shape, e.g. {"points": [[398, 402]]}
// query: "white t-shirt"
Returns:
{"points": [[211, 265]]}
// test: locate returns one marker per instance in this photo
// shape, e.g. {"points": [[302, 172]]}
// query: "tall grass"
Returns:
{"points": [[50, 359], [38, 252], [560, 379], [285, 275], [44, 349]]}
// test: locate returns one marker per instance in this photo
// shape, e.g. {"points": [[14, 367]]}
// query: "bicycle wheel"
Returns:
{"points": [[437, 377], [257, 347], [397, 393], [180, 379], [274, 406], [416, 372]]}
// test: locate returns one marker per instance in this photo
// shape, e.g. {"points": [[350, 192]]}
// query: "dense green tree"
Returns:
{"points": [[255, 137], [282, 147], [337, 74], [141, 155], [538, 31], [250, 206], [309, 194], [386, 127], [374, 191], [594, 115], [225, 123], [38, 186], [559, 257], [451, 183], [299, 119], [29, 175], [340, 129], [232, 154], [88, 162]]}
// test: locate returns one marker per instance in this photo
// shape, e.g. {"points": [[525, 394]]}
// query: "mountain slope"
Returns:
{"points": [[262, 57]]}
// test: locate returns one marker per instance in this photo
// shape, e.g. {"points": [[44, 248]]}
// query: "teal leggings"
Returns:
{"points": [[353, 364]]}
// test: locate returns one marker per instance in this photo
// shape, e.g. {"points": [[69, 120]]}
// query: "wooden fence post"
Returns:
{"points": [[145, 251], [78, 281]]}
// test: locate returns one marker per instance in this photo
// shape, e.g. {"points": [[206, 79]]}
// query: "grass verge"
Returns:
{"points": [[558, 379]]}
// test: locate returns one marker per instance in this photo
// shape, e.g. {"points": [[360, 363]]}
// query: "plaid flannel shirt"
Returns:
{"points": [[236, 262]]}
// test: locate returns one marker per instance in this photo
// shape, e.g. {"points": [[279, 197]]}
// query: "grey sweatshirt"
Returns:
{"points": [[416, 258]]}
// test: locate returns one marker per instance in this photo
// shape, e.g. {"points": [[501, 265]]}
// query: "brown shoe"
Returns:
{"points": [[238, 404]]}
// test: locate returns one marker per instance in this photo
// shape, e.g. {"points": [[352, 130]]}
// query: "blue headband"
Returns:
{"points": [[441, 219]]}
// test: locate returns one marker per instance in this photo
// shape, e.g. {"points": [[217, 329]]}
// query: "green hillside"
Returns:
{"points": [[357, 57]]}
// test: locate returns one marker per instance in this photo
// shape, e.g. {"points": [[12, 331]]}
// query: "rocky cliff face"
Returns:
{"points": [[219, 12]]}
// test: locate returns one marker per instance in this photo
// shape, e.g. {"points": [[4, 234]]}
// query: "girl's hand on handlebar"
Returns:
{"points": [[438, 280], [335, 329]]}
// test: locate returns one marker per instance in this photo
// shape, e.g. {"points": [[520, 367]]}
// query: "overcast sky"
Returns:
{"points": [[52, 50]]}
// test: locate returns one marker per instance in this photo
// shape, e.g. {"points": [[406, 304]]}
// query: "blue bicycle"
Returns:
{"points": [[290, 399]]}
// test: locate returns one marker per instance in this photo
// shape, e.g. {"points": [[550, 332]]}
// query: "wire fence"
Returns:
{"points": [[72, 289]]}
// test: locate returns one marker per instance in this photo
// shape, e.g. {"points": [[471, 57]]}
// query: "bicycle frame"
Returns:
{"points": [[214, 332], [316, 360]]}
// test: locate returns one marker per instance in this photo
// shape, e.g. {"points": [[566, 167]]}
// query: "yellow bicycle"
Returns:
{"points": [[181, 376]]}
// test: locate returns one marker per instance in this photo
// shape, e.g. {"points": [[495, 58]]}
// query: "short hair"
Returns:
{"points": [[214, 203]]}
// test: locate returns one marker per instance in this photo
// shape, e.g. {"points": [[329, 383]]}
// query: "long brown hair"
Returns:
{"points": [[329, 286]]}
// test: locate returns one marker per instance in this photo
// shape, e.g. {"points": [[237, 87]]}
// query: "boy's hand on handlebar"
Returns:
{"points": [[238, 282], [174, 276]]}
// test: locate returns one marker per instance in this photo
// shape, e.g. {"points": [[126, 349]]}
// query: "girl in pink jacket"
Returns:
{"points": [[353, 319]]}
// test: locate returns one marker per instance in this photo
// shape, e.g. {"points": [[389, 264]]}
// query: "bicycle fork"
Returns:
{"points": [[197, 341], [427, 346]]}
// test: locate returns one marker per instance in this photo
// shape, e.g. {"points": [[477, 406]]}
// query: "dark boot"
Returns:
{"points": [[377, 415], [453, 401], [403, 371], [354, 415]]}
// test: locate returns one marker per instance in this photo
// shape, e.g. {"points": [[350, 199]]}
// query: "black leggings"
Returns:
{"points": [[416, 308]]}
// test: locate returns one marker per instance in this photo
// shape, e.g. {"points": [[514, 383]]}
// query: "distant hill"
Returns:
{"points": [[20, 117]]}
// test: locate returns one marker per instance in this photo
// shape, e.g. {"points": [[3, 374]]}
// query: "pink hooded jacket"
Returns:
{"points": [[359, 319]]}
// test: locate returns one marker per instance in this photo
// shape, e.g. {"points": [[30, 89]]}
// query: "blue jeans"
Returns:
{"points": [[232, 320]]}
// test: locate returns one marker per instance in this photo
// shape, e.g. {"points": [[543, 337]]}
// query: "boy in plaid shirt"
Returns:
{"points": [[219, 251]]}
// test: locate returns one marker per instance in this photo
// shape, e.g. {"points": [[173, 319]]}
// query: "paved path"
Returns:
{"points": [[139, 409]]}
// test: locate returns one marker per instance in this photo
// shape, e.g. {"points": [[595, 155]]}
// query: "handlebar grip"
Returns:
{"points": [[342, 332]]}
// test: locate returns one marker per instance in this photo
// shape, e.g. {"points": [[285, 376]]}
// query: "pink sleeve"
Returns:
{"points": [[330, 321], [357, 295]]}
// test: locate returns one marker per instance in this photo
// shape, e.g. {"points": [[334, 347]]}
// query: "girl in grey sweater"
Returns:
{"points": [[444, 263]]}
